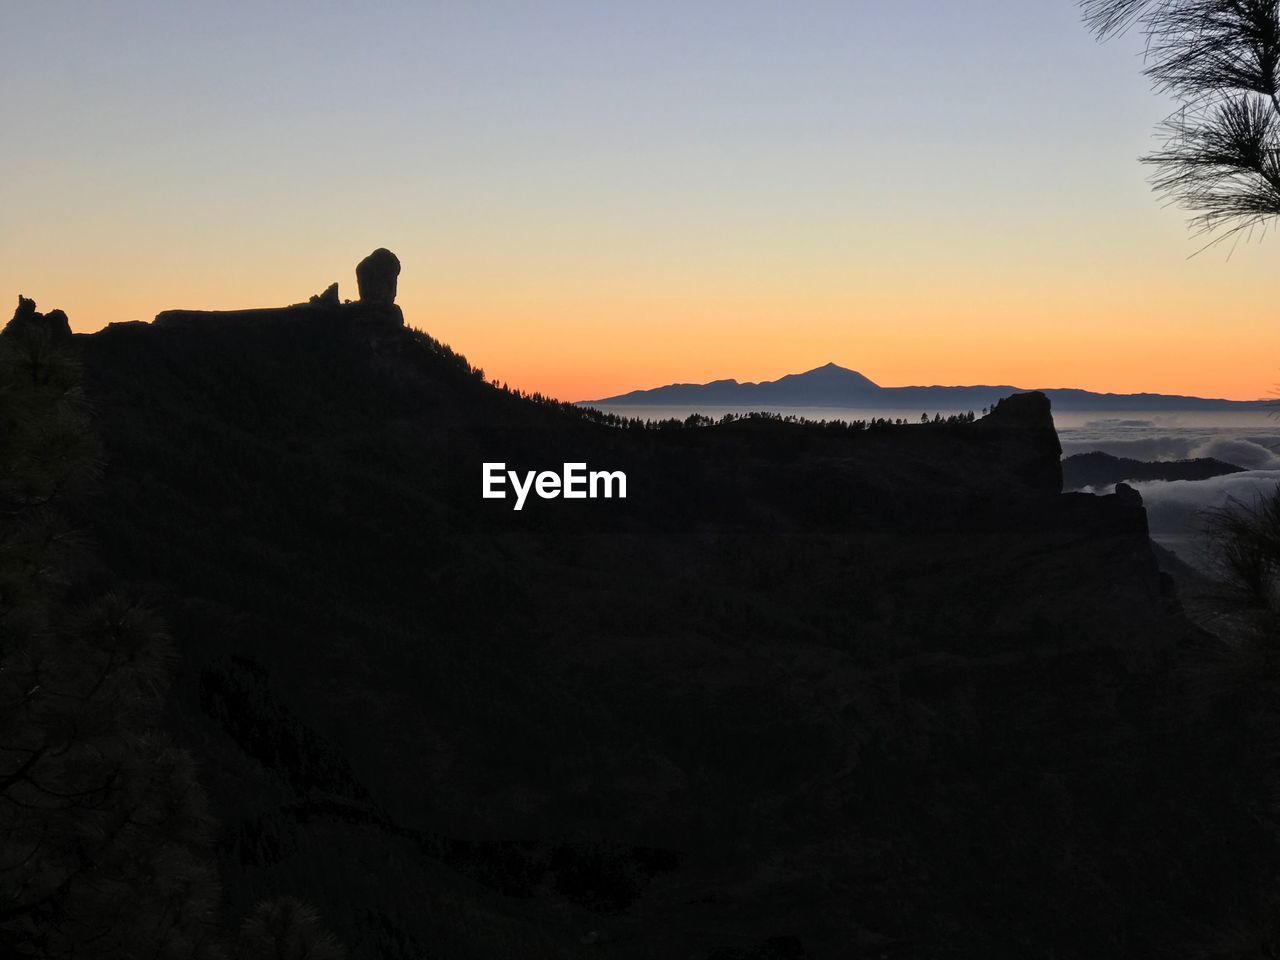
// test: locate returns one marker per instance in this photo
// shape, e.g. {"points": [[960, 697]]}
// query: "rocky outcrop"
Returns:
{"points": [[1036, 456], [327, 299], [376, 275], [27, 321]]}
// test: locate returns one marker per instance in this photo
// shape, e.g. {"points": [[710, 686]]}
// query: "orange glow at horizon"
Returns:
{"points": [[587, 202], [1129, 317], [599, 342]]}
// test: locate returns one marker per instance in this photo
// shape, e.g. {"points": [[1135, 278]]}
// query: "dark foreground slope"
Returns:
{"points": [[805, 693]]}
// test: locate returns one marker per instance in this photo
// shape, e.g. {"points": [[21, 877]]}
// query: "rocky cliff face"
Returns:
{"points": [[1030, 446], [805, 693]]}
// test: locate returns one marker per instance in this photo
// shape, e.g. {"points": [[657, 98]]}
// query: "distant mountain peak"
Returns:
{"points": [[833, 372], [827, 384]]}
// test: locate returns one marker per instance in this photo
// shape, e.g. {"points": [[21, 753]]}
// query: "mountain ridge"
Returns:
{"points": [[832, 385], [1098, 469]]}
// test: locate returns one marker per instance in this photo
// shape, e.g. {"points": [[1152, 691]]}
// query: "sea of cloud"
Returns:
{"points": [[1175, 509], [1253, 443]]}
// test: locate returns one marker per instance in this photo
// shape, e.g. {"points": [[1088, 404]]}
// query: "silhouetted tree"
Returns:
{"points": [[1244, 548], [1218, 59]]}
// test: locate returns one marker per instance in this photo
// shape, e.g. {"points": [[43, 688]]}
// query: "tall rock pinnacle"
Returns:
{"points": [[376, 277]]}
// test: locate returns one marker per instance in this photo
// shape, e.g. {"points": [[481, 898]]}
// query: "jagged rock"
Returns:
{"points": [[26, 320], [24, 317], [1128, 495], [376, 277], [327, 299]]}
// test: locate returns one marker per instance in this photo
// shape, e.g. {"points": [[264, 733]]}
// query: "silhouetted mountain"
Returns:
{"points": [[826, 386], [834, 386], [807, 692], [1099, 469]]}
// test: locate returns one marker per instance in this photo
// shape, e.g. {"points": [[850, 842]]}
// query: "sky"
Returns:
{"points": [[594, 197]]}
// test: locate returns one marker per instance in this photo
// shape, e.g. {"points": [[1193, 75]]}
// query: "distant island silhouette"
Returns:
{"points": [[835, 386], [1098, 469]]}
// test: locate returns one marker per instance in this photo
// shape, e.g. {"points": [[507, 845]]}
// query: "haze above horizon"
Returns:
{"points": [[591, 198]]}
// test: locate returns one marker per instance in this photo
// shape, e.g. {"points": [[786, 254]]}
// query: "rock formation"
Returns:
{"points": [[27, 321], [1128, 495], [328, 299], [376, 277], [1036, 457]]}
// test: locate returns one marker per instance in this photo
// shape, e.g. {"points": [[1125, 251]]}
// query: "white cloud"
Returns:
{"points": [[1241, 451], [1254, 447], [1174, 506]]}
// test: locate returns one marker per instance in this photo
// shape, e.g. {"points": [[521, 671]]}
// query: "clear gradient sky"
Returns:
{"points": [[591, 197]]}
